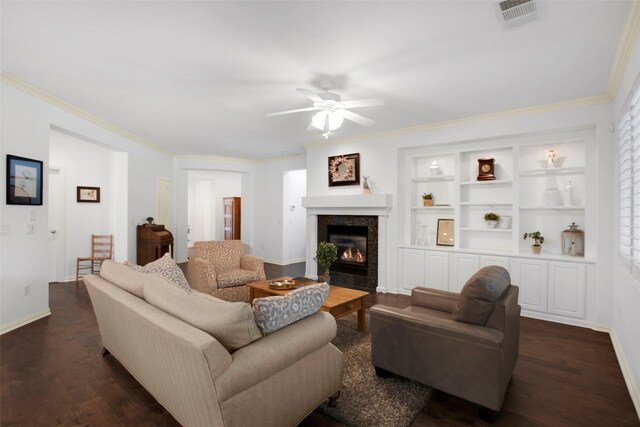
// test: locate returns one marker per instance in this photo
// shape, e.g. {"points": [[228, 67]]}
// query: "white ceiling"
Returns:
{"points": [[198, 77]]}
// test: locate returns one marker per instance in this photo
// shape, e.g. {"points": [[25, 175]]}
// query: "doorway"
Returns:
{"points": [[294, 218], [57, 178]]}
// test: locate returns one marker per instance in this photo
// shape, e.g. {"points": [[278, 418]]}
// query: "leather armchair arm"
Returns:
{"points": [[253, 263], [434, 299], [443, 328], [201, 275]]}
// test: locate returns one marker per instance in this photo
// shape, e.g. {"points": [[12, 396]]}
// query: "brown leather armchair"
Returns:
{"points": [[463, 344]]}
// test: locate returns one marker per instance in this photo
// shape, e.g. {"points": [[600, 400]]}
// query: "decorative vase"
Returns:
{"points": [[552, 197], [536, 248], [324, 278], [505, 221], [427, 202], [491, 223]]}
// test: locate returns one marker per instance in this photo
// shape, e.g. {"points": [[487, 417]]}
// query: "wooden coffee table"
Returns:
{"points": [[339, 303]]}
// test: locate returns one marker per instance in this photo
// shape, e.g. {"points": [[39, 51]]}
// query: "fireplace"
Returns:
{"points": [[356, 237], [351, 241]]}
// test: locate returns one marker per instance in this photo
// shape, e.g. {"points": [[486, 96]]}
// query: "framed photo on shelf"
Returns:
{"points": [[88, 194], [24, 181], [445, 232], [344, 170]]}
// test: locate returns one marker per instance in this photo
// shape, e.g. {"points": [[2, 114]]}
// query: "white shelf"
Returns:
{"points": [[485, 204], [552, 208], [493, 230], [553, 171], [432, 208], [434, 178], [492, 182]]}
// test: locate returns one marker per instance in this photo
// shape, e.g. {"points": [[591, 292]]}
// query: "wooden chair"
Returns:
{"points": [[101, 250]]}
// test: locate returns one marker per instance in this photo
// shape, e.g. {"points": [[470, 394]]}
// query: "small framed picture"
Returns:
{"points": [[88, 194], [445, 232], [24, 181], [344, 170]]}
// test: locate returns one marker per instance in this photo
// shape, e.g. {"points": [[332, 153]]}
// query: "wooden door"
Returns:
{"points": [[231, 218]]}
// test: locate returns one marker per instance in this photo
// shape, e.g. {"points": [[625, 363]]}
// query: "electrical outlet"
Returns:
{"points": [[4, 230], [31, 228], [27, 290], [32, 215]]}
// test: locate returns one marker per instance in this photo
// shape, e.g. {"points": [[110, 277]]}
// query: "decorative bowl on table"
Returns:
{"points": [[282, 284]]}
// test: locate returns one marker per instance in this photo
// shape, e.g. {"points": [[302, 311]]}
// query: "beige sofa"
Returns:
{"points": [[238, 379], [222, 269]]}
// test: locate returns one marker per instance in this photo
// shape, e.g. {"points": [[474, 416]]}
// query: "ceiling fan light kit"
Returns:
{"points": [[331, 111]]}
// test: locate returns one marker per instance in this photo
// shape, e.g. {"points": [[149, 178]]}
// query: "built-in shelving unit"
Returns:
{"points": [[533, 194]]}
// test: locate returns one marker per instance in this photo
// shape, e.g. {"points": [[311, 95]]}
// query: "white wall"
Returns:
{"points": [[86, 164], [294, 219], [206, 191], [26, 126], [626, 290], [269, 184]]}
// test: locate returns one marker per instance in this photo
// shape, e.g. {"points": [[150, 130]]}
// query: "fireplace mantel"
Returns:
{"points": [[354, 204]]}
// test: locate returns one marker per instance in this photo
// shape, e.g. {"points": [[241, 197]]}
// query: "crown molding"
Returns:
{"points": [[213, 158], [40, 94], [628, 40], [538, 109]]}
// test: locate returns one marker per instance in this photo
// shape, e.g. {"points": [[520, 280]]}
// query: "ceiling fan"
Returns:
{"points": [[331, 110]]}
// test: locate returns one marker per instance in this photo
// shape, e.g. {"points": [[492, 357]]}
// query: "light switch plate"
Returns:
{"points": [[4, 230], [32, 215], [31, 228]]}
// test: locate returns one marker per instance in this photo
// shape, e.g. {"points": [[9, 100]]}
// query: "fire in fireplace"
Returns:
{"points": [[351, 242]]}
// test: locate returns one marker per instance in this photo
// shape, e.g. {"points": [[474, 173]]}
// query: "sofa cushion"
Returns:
{"points": [[480, 294], [123, 276], [236, 277], [273, 313], [231, 323], [167, 268]]}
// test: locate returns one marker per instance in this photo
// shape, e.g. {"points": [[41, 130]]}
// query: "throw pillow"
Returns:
{"points": [[165, 267], [273, 313], [480, 294], [122, 276], [231, 323]]}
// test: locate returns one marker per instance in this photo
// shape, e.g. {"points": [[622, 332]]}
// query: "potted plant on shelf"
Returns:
{"points": [[149, 220], [326, 254], [538, 240], [427, 199], [491, 219]]}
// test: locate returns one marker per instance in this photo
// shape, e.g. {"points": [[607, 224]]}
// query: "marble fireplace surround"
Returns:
{"points": [[362, 205]]}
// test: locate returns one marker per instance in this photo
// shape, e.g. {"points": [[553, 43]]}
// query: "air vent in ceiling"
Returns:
{"points": [[517, 12]]}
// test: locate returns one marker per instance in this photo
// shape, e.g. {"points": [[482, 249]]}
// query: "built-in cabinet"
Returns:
{"points": [[556, 288], [530, 193]]}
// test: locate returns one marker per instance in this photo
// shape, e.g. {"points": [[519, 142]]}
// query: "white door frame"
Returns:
{"points": [[60, 228]]}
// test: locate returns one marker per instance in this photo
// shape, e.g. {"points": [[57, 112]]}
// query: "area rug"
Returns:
{"points": [[366, 400]]}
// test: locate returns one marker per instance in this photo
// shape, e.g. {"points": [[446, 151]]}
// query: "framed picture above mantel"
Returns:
{"points": [[344, 170]]}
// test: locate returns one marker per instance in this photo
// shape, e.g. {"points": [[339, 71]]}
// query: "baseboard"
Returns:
{"points": [[293, 261], [24, 321], [627, 373]]}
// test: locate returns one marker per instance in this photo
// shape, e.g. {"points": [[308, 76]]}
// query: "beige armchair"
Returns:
{"points": [[463, 344], [222, 269]]}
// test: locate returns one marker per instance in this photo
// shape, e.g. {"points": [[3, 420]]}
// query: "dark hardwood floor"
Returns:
{"points": [[52, 374]]}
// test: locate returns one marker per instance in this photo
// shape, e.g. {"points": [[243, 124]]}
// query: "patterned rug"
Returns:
{"points": [[366, 400]]}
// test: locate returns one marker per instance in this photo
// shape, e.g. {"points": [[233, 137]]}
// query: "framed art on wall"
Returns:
{"points": [[88, 194], [24, 181], [344, 170], [445, 232]]}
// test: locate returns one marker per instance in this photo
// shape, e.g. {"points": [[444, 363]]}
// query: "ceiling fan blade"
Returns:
{"points": [[310, 94], [361, 120], [363, 103], [299, 110]]}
